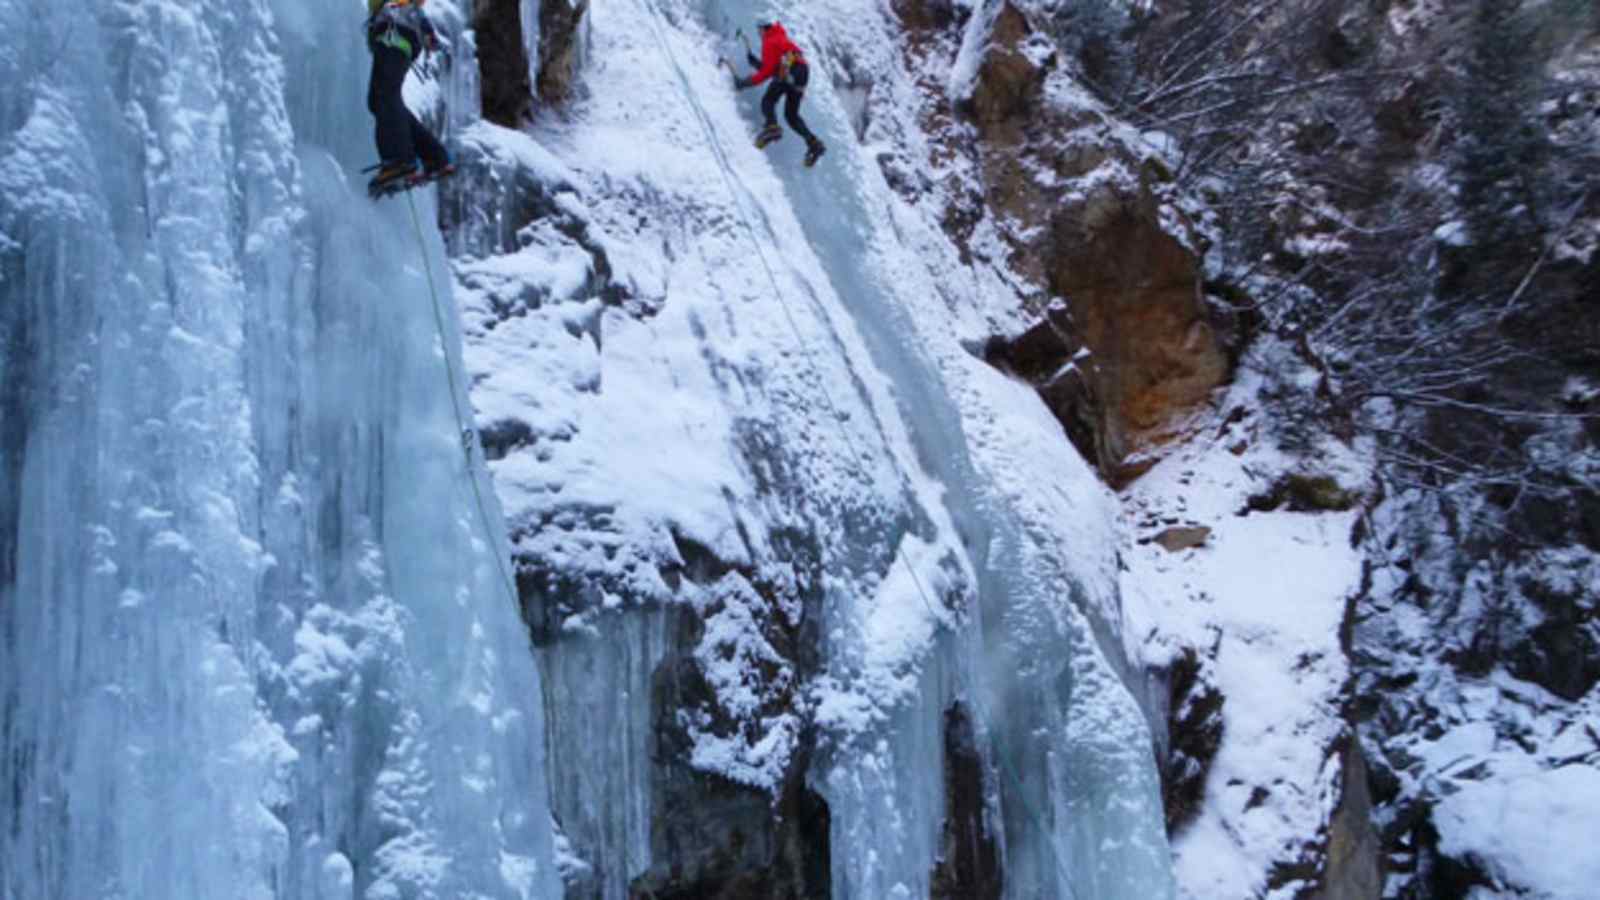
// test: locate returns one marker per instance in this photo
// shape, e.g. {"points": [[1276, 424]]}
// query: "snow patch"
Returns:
{"points": [[1524, 830], [1268, 589]]}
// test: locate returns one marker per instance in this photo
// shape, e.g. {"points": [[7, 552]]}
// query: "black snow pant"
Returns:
{"points": [[401, 137], [792, 92]]}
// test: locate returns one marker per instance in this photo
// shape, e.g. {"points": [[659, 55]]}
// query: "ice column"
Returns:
{"points": [[257, 639]]}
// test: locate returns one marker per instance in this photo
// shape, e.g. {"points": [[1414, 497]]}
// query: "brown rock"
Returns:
{"points": [[560, 44], [1132, 288], [927, 14], [1009, 79], [1353, 868], [1135, 301], [1175, 539]]}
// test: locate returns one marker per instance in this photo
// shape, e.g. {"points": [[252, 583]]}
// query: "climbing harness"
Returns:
{"points": [[728, 179], [391, 22], [788, 62], [469, 437]]}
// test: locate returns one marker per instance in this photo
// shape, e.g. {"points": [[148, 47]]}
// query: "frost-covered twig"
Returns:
{"points": [[1428, 398], [1544, 254]]}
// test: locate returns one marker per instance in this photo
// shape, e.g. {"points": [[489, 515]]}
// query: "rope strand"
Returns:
{"points": [[728, 178], [725, 169], [468, 434]]}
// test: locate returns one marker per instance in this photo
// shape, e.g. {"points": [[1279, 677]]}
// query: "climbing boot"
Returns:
{"points": [[767, 135], [392, 177], [438, 172], [814, 151]]}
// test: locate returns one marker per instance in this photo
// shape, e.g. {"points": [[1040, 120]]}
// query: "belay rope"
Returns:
{"points": [[468, 433], [726, 170]]}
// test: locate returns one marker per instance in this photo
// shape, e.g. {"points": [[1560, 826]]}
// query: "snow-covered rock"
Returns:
{"points": [[1243, 631]]}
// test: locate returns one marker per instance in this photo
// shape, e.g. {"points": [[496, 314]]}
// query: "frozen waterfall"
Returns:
{"points": [[256, 639], [1072, 778], [803, 337]]}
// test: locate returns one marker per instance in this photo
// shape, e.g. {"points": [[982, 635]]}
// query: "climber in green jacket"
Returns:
{"points": [[397, 30]]}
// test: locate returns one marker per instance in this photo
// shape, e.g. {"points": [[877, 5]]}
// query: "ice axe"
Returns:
{"points": [[734, 73]]}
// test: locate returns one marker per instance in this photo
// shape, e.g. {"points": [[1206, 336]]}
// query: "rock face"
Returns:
{"points": [[723, 840], [1477, 674], [1556, 637], [1127, 345], [1049, 356], [1352, 867], [1134, 291], [1010, 77], [502, 62], [561, 40], [970, 866], [1194, 732]]}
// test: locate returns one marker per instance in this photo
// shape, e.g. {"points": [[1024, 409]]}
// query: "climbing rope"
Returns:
{"points": [[468, 433], [725, 169], [728, 178]]}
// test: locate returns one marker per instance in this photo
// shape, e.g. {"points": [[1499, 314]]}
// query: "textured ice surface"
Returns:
{"points": [[787, 356], [257, 640], [256, 637]]}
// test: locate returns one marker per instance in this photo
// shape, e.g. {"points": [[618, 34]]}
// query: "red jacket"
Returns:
{"points": [[775, 45]]}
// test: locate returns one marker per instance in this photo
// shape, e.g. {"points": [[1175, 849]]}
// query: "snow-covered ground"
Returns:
{"points": [[1261, 597], [1522, 826]]}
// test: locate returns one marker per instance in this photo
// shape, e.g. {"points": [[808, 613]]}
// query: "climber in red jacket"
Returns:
{"points": [[782, 62]]}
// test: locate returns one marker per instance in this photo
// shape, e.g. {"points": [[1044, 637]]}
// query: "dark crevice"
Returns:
{"points": [[969, 866], [503, 63], [1049, 356], [701, 564]]}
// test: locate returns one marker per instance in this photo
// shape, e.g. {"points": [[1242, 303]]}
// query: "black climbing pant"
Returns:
{"points": [[401, 137], [792, 92]]}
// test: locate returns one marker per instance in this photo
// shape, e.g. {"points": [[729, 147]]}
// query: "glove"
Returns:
{"points": [[740, 84]]}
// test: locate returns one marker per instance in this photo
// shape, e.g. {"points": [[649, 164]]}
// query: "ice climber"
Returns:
{"points": [[782, 62], [396, 31]]}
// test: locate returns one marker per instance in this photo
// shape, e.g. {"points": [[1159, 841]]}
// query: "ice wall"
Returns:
{"points": [[1072, 772], [257, 635], [802, 336]]}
